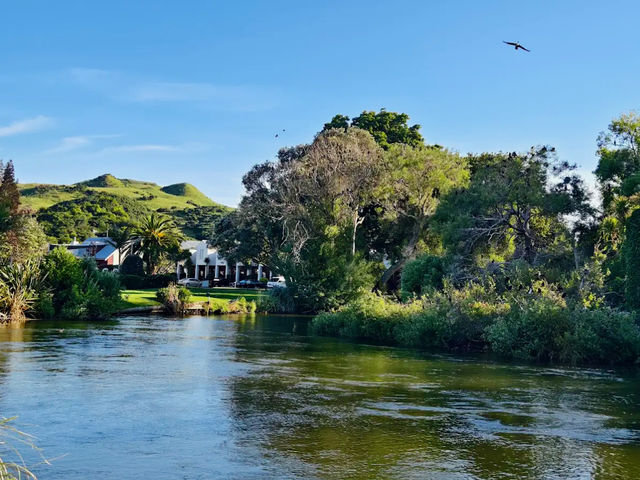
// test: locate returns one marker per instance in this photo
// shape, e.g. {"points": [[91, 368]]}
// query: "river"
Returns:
{"points": [[256, 398]]}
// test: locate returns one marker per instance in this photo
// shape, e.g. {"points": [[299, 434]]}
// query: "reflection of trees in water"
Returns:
{"points": [[347, 411]]}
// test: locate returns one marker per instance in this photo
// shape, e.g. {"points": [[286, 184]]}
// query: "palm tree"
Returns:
{"points": [[156, 236]]}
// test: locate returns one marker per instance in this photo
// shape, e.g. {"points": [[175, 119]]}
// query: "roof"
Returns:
{"points": [[105, 252]]}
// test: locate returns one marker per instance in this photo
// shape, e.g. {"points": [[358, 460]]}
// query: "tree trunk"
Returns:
{"points": [[409, 253]]}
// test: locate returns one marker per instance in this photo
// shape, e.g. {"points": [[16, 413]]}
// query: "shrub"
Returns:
{"points": [[78, 289], [422, 274], [174, 298], [537, 326], [132, 265]]}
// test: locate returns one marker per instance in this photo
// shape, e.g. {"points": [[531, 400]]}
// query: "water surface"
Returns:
{"points": [[256, 398]]}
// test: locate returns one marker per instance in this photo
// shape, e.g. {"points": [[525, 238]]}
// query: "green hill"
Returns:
{"points": [[78, 210], [152, 196]]}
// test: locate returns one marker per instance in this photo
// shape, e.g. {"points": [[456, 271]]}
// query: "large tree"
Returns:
{"points": [[385, 127], [618, 170], [301, 215], [414, 180], [515, 204]]}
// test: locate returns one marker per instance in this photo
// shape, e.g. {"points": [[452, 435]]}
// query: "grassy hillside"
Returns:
{"points": [[152, 196], [69, 211]]}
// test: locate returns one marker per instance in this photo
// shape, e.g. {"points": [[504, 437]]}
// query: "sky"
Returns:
{"points": [[196, 91]]}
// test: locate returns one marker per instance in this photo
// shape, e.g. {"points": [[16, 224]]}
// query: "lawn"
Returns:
{"points": [[147, 297]]}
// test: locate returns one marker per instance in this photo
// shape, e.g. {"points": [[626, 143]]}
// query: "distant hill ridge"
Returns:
{"points": [[153, 196], [95, 205]]}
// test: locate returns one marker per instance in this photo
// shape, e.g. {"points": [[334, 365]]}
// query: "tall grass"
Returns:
{"points": [[12, 464]]}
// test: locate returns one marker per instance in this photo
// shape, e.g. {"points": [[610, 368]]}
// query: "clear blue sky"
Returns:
{"points": [[196, 91]]}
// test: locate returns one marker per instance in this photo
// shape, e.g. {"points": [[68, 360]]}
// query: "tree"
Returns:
{"points": [[9, 193], [301, 214], [414, 180], [23, 242], [385, 127], [632, 260], [515, 205], [618, 170], [341, 172], [155, 236]]}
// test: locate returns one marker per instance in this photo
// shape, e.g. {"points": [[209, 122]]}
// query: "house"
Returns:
{"points": [[101, 249], [207, 264]]}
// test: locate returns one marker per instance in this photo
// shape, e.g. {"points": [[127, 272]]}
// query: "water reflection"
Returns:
{"points": [[254, 397]]}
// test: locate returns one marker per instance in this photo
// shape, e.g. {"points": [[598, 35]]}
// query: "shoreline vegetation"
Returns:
{"points": [[384, 237]]}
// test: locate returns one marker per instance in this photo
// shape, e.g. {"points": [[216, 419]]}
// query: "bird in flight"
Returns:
{"points": [[516, 45]]}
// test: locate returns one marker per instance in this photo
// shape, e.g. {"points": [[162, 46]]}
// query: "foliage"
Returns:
{"points": [[12, 466], [174, 298], [79, 290], [514, 207], [156, 237], [422, 274], [414, 180], [197, 222], [301, 216], [632, 260], [9, 193], [19, 285], [94, 212], [385, 127], [536, 326], [23, 242]]}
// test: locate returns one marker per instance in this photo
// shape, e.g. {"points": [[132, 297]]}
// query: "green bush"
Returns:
{"points": [[76, 289], [174, 298], [422, 274], [537, 326]]}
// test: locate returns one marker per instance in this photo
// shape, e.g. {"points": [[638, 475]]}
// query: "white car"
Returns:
{"points": [[190, 282], [276, 284]]}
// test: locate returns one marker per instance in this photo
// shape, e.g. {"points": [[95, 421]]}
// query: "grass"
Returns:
{"points": [[147, 297]]}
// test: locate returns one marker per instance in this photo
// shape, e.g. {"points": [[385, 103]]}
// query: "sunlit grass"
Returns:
{"points": [[147, 297]]}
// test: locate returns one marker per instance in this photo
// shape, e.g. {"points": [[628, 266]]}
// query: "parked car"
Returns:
{"points": [[276, 283], [190, 282], [247, 284]]}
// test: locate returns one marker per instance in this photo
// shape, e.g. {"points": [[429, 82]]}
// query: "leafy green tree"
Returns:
{"points": [[9, 193], [515, 206], [386, 127], [301, 216], [618, 170], [632, 260], [155, 237], [414, 179], [24, 241]]}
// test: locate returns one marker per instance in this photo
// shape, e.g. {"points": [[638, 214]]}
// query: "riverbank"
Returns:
{"points": [[538, 330]]}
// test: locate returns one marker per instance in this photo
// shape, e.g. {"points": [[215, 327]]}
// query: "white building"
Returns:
{"points": [[208, 265]]}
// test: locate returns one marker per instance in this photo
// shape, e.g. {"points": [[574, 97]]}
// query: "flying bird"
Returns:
{"points": [[516, 45]]}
